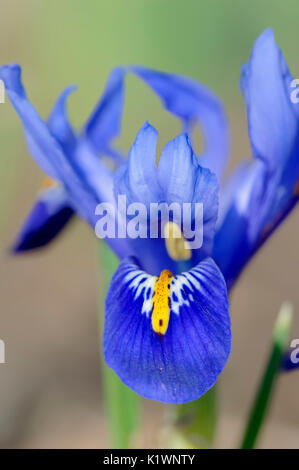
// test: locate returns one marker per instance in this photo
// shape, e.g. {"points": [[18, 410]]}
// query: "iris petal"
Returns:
{"points": [[271, 118], [193, 103], [137, 178], [240, 217], [265, 191], [52, 210], [36, 134], [59, 124], [104, 123], [273, 126], [182, 364], [47, 218], [81, 177], [189, 100], [179, 179], [177, 171], [47, 151], [185, 181]]}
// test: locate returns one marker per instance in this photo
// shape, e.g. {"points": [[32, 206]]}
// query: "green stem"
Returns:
{"points": [[281, 335], [193, 424], [121, 403]]}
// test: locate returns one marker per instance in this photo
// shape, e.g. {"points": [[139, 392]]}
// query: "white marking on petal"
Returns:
{"points": [[181, 288], [142, 283]]}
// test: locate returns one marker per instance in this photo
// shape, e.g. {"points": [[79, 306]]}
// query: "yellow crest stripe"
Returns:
{"points": [[161, 303]]}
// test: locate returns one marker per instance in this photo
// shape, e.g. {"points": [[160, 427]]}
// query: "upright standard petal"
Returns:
{"points": [[168, 337], [272, 123], [184, 180], [273, 126], [176, 187], [137, 178], [265, 193]]}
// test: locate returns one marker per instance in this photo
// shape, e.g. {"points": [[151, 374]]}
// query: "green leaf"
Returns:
{"points": [[192, 425], [281, 337], [121, 403]]}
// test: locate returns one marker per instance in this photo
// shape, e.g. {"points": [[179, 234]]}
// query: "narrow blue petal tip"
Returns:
{"points": [[11, 75]]}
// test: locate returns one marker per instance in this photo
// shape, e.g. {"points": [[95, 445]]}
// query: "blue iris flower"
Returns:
{"points": [[167, 332]]}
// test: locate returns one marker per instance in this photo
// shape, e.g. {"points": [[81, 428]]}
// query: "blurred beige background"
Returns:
{"points": [[50, 387]]}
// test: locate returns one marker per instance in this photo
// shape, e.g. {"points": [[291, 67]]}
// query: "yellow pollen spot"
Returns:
{"points": [[47, 183], [177, 246], [161, 310]]}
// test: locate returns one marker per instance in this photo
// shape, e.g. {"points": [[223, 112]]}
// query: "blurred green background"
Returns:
{"points": [[50, 391]]}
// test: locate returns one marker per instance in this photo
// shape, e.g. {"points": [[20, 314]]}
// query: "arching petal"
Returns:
{"points": [[47, 151], [180, 361], [59, 124], [104, 123], [193, 103], [189, 100], [87, 182], [36, 133]]}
